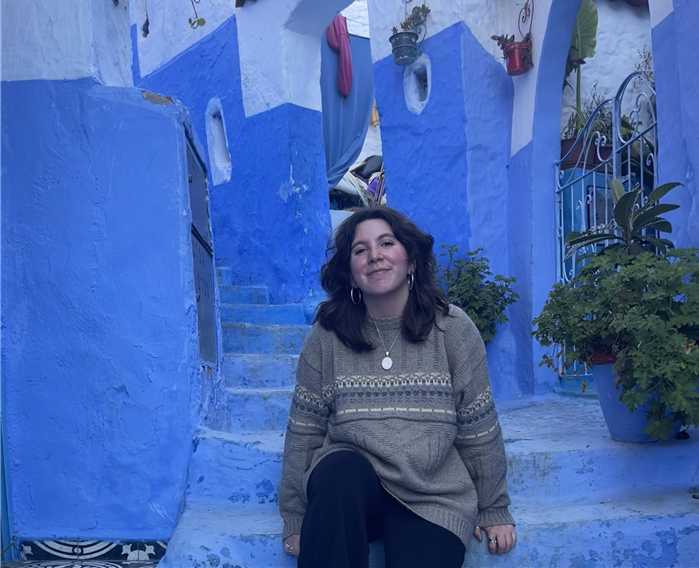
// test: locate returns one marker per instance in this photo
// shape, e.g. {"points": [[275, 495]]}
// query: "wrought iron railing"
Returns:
{"points": [[618, 140]]}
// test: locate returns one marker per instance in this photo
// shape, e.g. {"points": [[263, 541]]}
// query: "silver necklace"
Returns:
{"points": [[386, 362]]}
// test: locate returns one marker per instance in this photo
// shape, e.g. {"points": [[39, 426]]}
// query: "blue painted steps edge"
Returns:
{"points": [[277, 314], [263, 338], [259, 370], [635, 527], [244, 295]]}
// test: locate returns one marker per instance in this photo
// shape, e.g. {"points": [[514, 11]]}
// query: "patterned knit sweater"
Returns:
{"points": [[428, 425]]}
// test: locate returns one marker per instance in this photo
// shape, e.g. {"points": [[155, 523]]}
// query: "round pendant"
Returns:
{"points": [[387, 363]]}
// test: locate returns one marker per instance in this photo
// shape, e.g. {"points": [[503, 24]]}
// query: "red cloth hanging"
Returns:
{"points": [[338, 40]]}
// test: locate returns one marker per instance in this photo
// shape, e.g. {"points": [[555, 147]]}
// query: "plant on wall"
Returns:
{"points": [[404, 43], [518, 54], [196, 21], [469, 284]]}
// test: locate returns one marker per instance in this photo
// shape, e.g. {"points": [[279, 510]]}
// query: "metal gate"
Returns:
{"points": [[618, 140], [202, 253]]}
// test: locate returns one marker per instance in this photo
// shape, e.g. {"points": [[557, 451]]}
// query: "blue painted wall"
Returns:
{"points": [[447, 168], [677, 84], [271, 221], [99, 326], [539, 160]]}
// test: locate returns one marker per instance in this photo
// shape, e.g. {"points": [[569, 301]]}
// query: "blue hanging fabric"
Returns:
{"points": [[345, 120]]}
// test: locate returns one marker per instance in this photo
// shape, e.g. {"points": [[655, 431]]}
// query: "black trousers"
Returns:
{"points": [[348, 508]]}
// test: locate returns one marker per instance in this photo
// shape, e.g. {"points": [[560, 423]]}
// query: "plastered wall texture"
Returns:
{"points": [[66, 40], [271, 221], [99, 343], [447, 166], [677, 82]]}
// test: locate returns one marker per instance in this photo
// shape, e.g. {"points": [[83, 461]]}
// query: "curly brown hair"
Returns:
{"points": [[340, 315]]}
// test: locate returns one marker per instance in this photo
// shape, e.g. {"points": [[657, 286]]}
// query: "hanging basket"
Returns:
{"points": [[519, 57], [404, 48]]}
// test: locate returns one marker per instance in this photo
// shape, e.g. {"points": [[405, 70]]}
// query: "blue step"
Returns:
{"points": [[243, 294], [223, 276], [572, 457], [656, 527], [263, 338], [259, 409], [241, 468], [280, 314], [579, 498], [259, 371]]}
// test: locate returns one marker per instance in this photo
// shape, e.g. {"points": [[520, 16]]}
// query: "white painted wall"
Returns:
{"points": [[69, 39], [659, 10], [169, 31], [525, 85], [483, 17], [357, 15], [622, 32]]}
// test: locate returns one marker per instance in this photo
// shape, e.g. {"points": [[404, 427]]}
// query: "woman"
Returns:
{"points": [[392, 430]]}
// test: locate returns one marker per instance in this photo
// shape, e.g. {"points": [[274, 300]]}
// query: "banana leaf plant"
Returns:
{"points": [[635, 224]]}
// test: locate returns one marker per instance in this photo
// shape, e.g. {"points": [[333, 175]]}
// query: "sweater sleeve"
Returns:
{"points": [[305, 432], [479, 438]]}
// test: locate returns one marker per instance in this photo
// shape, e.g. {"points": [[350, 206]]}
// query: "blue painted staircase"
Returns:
{"points": [[579, 498]]}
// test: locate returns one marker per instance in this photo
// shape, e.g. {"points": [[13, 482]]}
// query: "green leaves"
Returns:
{"points": [[584, 41], [469, 283], [634, 226], [644, 308], [196, 22]]}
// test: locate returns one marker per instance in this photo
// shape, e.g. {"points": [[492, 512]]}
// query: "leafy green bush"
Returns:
{"points": [[644, 310], [469, 284]]}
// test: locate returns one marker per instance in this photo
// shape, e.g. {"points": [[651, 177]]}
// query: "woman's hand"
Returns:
{"points": [[292, 544], [501, 538]]}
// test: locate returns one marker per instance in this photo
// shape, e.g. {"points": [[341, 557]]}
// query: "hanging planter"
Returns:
{"points": [[519, 57], [405, 42], [404, 46], [518, 54]]}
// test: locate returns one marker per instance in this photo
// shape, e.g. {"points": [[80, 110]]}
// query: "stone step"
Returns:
{"points": [[259, 409], [657, 526], [280, 314], [243, 294], [259, 371], [223, 276], [554, 447], [238, 468], [263, 338]]}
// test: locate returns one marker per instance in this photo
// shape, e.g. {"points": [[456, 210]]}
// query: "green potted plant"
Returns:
{"points": [[518, 54], [469, 284], [404, 42], [632, 313], [582, 47]]}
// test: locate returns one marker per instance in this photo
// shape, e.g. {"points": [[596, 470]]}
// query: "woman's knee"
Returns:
{"points": [[341, 473]]}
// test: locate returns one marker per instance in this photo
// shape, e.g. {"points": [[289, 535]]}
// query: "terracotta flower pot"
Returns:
{"points": [[518, 55], [590, 160]]}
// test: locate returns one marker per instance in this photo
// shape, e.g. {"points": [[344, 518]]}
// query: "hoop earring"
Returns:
{"points": [[411, 281], [358, 301]]}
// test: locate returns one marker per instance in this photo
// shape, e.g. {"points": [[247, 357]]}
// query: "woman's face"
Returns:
{"points": [[379, 262]]}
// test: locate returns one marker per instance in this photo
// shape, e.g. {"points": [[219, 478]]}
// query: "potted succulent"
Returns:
{"points": [[632, 313], [404, 42], [518, 54], [469, 284]]}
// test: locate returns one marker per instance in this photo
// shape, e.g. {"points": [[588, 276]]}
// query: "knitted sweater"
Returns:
{"points": [[428, 426]]}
